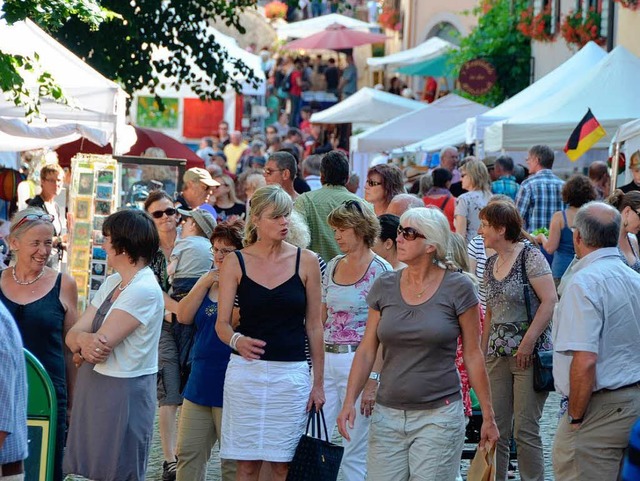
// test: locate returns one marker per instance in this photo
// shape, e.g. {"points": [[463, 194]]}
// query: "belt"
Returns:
{"points": [[340, 348], [603, 390], [11, 469]]}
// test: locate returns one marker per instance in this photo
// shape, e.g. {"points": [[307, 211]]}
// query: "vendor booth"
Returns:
{"points": [[626, 141], [305, 28], [430, 49]]}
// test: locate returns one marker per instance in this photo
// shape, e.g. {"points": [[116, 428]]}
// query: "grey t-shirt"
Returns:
{"points": [[419, 342], [194, 257]]}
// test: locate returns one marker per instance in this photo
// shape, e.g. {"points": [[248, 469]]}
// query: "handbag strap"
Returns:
{"points": [[314, 420], [525, 284]]}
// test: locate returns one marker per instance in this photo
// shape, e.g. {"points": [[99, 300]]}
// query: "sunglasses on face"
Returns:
{"points": [[409, 233], [373, 183], [159, 213], [31, 217]]}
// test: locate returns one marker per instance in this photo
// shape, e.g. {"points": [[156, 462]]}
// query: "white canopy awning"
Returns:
{"points": [[305, 28], [610, 90], [432, 48], [453, 136], [627, 131]]}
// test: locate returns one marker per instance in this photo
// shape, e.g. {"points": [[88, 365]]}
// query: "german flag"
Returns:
{"points": [[584, 136]]}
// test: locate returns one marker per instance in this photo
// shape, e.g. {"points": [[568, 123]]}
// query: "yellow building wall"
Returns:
{"points": [[628, 30]]}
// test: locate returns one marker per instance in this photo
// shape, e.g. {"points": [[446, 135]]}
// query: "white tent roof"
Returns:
{"points": [[610, 90], [305, 28], [453, 136], [433, 47], [627, 131], [367, 106], [411, 127], [567, 73], [99, 102]]}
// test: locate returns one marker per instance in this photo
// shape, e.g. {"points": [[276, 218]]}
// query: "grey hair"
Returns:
{"points": [[299, 234], [544, 154], [16, 232], [432, 224], [446, 149], [598, 229]]}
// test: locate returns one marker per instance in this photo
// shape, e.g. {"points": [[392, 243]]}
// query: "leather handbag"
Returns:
{"points": [[315, 459], [542, 359]]}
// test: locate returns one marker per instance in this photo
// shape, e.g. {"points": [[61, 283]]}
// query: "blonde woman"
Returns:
{"points": [[278, 291], [476, 180], [227, 205]]}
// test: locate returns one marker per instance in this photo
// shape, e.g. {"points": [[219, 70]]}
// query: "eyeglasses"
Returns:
{"points": [[159, 213], [224, 252], [373, 183], [409, 233], [271, 171], [31, 217], [353, 203]]}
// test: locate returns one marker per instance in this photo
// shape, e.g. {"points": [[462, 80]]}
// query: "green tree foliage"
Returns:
{"points": [[497, 40], [122, 50]]}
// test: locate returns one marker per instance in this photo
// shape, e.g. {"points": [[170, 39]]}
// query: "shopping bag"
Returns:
{"points": [[483, 465], [315, 459]]}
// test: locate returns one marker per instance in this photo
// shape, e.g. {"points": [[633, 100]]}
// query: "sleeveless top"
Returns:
{"points": [[41, 324], [566, 238], [275, 316], [636, 265]]}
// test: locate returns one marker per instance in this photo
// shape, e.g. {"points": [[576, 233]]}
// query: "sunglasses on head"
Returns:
{"points": [[31, 217], [159, 213], [353, 203], [409, 233]]}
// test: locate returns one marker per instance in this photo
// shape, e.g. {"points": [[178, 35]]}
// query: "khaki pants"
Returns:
{"points": [[15, 477], [198, 430], [594, 451], [517, 404]]}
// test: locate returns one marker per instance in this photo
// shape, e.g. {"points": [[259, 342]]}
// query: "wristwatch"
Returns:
{"points": [[575, 420], [375, 376]]}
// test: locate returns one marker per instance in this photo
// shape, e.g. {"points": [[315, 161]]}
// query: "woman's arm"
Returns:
{"points": [[486, 328], [189, 305], [460, 223], [475, 365], [170, 304], [545, 289], [360, 369], [80, 340], [314, 327], [69, 295], [230, 273], [555, 227]]}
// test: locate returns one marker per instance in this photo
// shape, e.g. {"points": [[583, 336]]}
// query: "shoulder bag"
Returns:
{"points": [[315, 459], [542, 359]]}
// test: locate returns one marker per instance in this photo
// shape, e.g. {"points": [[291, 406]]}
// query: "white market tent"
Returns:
{"points": [[99, 103], [414, 126], [367, 106], [453, 136], [566, 74], [610, 90], [432, 48], [628, 133], [305, 28]]}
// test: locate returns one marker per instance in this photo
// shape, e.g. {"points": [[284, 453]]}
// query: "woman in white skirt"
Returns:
{"points": [[268, 390]]}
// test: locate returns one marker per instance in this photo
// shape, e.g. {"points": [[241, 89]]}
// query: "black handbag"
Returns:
{"points": [[542, 359], [315, 459]]}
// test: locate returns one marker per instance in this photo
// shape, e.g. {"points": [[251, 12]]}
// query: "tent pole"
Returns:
{"points": [[615, 162]]}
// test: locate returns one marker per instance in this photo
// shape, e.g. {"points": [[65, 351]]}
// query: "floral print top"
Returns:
{"points": [[505, 299], [347, 307]]}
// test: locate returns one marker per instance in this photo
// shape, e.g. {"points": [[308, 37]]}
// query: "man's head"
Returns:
{"points": [[449, 158], [219, 158], [595, 226], [281, 168], [206, 142], [223, 129], [353, 183], [334, 168], [311, 165], [599, 176], [305, 112], [283, 118], [503, 166], [332, 62], [196, 186], [294, 136], [402, 203], [270, 132], [540, 157], [236, 137]]}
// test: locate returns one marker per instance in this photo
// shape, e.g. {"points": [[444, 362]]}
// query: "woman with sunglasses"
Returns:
{"points": [[416, 315], [476, 180], [384, 181], [227, 205], [629, 206], [43, 303], [175, 338], [345, 286], [201, 414]]}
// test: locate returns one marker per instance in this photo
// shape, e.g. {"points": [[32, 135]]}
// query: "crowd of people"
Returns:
{"points": [[269, 288]]}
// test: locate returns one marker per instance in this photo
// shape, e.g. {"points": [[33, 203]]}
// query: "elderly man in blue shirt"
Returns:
{"points": [[13, 399]]}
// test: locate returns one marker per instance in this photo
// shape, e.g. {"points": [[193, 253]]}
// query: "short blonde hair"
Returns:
{"points": [[269, 196], [51, 169], [479, 175], [357, 216]]}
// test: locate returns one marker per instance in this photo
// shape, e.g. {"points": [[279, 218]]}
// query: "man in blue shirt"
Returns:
{"points": [[505, 182], [349, 81], [540, 194], [13, 399]]}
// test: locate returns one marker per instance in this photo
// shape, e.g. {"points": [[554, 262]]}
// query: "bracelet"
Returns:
{"points": [[234, 340]]}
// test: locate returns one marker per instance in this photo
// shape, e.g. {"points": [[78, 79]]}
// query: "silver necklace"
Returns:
{"points": [[26, 283], [122, 288]]}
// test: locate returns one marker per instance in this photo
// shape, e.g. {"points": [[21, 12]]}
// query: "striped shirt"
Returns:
{"points": [[315, 206], [13, 391], [476, 251], [505, 185], [539, 198]]}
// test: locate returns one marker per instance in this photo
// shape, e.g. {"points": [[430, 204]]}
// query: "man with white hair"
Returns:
{"points": [[400, 203], [234, 150], [449, 160]]}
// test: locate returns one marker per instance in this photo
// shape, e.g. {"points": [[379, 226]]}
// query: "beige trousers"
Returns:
{"points": [[198, 430]]}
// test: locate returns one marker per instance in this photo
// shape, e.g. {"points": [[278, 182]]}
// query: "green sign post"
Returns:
{"points": [[41, 422]]}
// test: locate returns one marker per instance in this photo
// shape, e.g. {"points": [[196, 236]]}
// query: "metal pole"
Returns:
{"points": [[611, 25], [615, 162]]}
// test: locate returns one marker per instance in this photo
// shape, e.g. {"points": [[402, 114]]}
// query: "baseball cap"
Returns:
{"points": [[204, 219], [200, 175], [489, 162]]}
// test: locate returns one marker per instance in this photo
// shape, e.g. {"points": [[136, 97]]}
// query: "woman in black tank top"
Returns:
{"points": [[267, 386]]}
